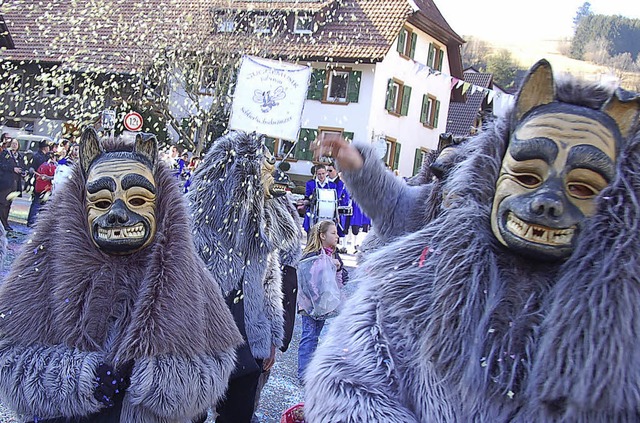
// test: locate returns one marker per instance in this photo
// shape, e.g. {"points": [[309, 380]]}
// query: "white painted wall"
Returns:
{"points": [[408, 130]]}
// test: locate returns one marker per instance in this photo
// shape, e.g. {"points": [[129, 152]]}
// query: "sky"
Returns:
{"points": [[524, 20]]}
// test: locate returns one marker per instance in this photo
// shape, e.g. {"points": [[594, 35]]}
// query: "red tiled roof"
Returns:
{"points": [[124, 36]]}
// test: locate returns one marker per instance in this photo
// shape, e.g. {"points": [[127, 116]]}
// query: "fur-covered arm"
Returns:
{"points": [[385, 198], [273, 298], [178, 388], [351, 378], [48, 381]]}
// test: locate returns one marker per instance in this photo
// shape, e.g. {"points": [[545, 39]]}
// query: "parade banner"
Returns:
{"points": [[269, 97]]}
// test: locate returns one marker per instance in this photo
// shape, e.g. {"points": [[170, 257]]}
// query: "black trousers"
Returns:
{"points": [[239, 403], [5, 206]]}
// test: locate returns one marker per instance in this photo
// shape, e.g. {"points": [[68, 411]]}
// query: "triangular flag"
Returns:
{"points": [[454, 81], [490, 96], [460, 82], [465, 87]]}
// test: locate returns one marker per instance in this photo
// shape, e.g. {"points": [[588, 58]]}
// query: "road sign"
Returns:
{"points": [[133, 121], [108, 119]]}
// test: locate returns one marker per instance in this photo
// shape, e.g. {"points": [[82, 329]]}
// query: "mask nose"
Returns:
{"points": [[118, 213], [547, 205]]}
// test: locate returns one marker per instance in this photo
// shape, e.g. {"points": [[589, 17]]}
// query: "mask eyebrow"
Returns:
{"points": [[135, 180], [592, 158], [102, 183], [533, 148]]}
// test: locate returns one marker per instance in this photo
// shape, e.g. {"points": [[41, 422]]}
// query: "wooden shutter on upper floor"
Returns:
{"points": [[389, 103], [414, 41], [406, 97], [353, 90], [436, 113], [316, 84]]}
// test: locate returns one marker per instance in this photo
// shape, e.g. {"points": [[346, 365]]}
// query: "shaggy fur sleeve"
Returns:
{"points": [[273, 298], [351, 378], [179, 388], [48, 381], [386, 199]]}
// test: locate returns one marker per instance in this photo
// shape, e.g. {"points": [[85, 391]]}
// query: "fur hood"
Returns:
{"points": [[63, 290]]}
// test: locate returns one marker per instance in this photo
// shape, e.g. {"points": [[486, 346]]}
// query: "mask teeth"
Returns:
{"points": [[539, 234], [130, 232]]}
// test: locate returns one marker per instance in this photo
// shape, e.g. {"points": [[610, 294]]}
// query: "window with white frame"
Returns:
{"points": [[303, 23], [262, 24]]}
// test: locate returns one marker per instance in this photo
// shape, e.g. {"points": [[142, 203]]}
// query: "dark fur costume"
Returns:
{"points": [[449, 325], [240, 234], [67, 307]]}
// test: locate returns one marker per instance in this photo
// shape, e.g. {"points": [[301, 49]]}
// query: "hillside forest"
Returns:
{"points": [[611, 42]]}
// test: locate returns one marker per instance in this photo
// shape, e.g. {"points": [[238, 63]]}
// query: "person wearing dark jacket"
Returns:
{"points": [[10, 179], [39, 157]]}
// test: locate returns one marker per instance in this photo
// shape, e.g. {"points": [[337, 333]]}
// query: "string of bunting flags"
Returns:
{"points": [[492, 95]]}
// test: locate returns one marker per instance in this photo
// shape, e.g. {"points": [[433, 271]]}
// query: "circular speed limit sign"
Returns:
{"points": [[133, 121]]}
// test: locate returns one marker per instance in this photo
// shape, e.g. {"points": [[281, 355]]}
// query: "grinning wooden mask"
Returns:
{"points": [[560, 157], [121, 194]]}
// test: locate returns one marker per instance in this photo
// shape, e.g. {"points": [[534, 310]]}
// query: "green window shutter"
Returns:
{"points": [[303, 147], [348, 136], [390, 106], [432, 50], [406, 96], [417, 161], [414, 41], [402, 39], [270, 143], [440, 59], [353, 91], [424, 111], [435, 115], [396, 156], [316, 84]]}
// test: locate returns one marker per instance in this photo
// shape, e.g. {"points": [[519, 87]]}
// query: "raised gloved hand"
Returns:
{"points": [[111, 382]]}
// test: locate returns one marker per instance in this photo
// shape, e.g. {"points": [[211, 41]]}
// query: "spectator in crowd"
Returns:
{"points": [[10, 178], [323, 239], [39, 157], [44, 181]]}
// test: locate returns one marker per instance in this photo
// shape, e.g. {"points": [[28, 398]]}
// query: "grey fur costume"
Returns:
{"points": [[67, 306], [449, 325], [239, 234]]}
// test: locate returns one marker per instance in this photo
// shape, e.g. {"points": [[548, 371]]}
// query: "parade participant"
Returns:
{"points": [[240, 227], [519, 302], [311, 194], [116, 334]]}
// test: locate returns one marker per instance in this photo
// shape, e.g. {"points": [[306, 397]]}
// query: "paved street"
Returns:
{"points": [[282, 390]]}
